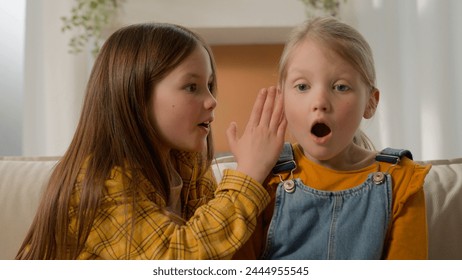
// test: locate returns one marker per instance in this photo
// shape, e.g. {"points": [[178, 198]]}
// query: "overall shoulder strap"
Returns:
{"points": [[393, 156], [286, 160]]}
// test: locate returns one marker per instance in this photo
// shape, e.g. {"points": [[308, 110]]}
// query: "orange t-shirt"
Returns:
{"points": [[407, 234]]}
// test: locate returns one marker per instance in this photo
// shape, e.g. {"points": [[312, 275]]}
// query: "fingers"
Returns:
{"points": [[267, 111], [257, 150], [256, 113], [282, 127], [278, 111], [231, 135]]}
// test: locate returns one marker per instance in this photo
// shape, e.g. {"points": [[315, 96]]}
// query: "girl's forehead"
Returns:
{"points": [[330, 49], [197, 65], [309, 51], [312, 58]]}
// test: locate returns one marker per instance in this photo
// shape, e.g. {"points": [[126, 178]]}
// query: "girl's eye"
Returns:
{"points": [[191, 87], [301, 87], [341, 88]]}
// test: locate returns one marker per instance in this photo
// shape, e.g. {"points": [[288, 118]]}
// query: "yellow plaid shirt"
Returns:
{"points": [[219, 219]]}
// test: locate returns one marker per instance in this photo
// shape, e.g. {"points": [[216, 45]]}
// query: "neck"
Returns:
{"points": [[351, 158]]}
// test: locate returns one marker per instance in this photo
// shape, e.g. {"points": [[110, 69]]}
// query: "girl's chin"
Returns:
{"points": [[199, 148], [321, 140]]}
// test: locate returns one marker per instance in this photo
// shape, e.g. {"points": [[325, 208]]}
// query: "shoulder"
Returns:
{"points": [[408, 179], [407, 170], [399, 163]]}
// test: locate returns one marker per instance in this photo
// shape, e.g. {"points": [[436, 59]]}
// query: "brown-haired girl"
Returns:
{"points": [[136, 182]]}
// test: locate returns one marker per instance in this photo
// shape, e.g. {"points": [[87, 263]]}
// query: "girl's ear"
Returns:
{"points": [[372, 104]]}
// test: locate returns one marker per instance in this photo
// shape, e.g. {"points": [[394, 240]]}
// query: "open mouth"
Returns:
{"points": [[320, 130], [205, 124]]}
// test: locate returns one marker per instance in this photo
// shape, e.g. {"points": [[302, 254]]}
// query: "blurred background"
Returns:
{"points": [[416, 46]]}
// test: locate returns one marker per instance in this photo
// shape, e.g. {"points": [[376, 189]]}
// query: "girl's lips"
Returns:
{"points": [[205, 125], [321, 132]]}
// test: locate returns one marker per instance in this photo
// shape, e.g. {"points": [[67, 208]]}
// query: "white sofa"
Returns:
{"points": [[22, 180]]}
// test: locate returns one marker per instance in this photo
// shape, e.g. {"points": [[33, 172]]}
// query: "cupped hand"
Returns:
{"points": [[258, 149]]}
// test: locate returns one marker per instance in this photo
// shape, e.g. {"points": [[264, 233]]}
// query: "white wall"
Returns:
{"points": [[216, 13], [55, 80], [221, 21], [416, 45], [12, 28]]}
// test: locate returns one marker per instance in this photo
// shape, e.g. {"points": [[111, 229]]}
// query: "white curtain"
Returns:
{"points": [[417, 47], [54, 80]]}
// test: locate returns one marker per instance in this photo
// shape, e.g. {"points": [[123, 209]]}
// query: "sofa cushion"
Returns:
{"points": [[22, 180], [443, 194]]}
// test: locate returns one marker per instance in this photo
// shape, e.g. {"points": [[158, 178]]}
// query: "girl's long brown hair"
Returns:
{"points": [[113, 130]]}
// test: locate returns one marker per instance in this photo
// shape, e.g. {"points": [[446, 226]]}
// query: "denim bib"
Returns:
{"points": [[313, 224]]}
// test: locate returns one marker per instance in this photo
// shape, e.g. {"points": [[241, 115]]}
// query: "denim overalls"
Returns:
{"points": [[349, 224]]}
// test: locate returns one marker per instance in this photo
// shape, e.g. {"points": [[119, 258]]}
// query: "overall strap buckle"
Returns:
{"points": [[392, 156], [286, 160]]}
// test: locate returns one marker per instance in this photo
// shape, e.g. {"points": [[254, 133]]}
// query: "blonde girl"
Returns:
{"points": [[338, 198]]}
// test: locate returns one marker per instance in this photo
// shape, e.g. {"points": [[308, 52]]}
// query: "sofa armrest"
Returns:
{"points": [[22, 181], [443, 195]]}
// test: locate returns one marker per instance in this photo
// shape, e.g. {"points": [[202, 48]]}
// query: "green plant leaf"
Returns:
{"points": [[88, 18]]}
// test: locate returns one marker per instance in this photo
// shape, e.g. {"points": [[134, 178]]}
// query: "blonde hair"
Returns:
{"points": [[343, 40]]}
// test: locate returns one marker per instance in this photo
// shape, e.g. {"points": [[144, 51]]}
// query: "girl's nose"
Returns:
{"points": [[321, 101], [210, 102]]}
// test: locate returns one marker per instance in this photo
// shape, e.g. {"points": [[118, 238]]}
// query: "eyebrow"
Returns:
{"points": [[195, 75]]}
